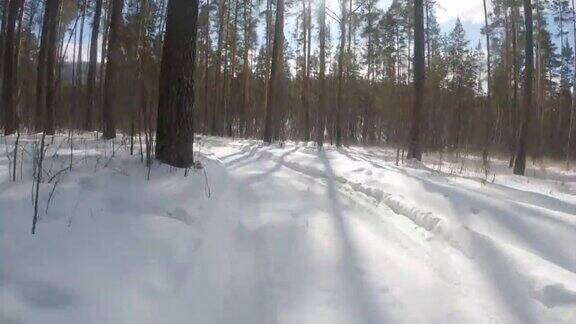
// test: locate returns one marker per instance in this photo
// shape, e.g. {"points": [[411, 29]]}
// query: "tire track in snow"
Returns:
{"points": [[500, 269]]}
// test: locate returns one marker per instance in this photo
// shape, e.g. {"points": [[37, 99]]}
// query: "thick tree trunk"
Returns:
{"points": [[414, 150], [520, 161], [91, 80], [5, 5], [275, 72], [214, 129], [113, 58], [52, 33], [10, 69], [174, 131]]}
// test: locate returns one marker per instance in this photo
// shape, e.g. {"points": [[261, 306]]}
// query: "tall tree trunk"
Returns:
{"points": [[308, 68], [175, 132], [214, 129], [514, 111], [321, 120], [488, 111], [223, 85], [207, 49], [427, 8], [80, 44], [340, 95], [52, 21], [91, 80], [230, 112], [113, 58], [103, 51], [305, 113], [276, 72], [414, 150], [570, 125], [9, 79], [26, 61], [520, 161], [267, 45], [246, 69], [540, 88], [5, 6]]}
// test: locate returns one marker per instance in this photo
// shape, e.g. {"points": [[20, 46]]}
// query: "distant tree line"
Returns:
{"points": [[356, 74]]}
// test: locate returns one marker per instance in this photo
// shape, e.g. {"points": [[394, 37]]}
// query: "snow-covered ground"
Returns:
{"points": [[283, 234]]}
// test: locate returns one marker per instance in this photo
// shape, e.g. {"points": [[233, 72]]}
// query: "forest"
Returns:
{"points": [[347, 77], [287, 161]]}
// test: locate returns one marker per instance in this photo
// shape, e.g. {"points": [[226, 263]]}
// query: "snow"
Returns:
{"points": [[284, 233]]}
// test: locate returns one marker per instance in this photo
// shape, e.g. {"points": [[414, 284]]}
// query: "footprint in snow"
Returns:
{"points": [[180, 215], [556, 295]]}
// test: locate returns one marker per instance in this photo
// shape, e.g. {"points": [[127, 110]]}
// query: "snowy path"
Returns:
{"points": [[289, 235], [382, 259]]}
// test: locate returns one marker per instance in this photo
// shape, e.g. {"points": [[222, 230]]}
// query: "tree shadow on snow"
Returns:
{"points": [[366, 307]]}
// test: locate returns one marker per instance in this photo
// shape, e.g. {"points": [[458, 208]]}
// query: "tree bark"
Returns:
{"points": [[487, 117], [10, 69], [174, 130], [275, 71], [520, 161], [230, 112], [321, 120], [414, 150], [572, 107], [113, 58], [5, 5], [91, 80], [214, 129], [207, 48], [340, 95], [246, 69], [51, 65]]}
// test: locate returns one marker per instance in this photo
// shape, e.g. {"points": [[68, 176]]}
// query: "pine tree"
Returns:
{"points": [[10, 69], [275, 72], [321, 119], [91, 79], [520, 161], [113, 58], [414, 150], [175, 132]]}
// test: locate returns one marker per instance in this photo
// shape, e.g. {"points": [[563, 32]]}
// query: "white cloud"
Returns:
{"points": [[466, 10]]}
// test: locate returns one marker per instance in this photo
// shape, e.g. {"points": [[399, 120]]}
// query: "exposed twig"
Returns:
{"points": [[207, 184], [38, 180], [51, 194], [15, 156]]}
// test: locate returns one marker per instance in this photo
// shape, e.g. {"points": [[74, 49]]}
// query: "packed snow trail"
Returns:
{"points": [[285, 234]]}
